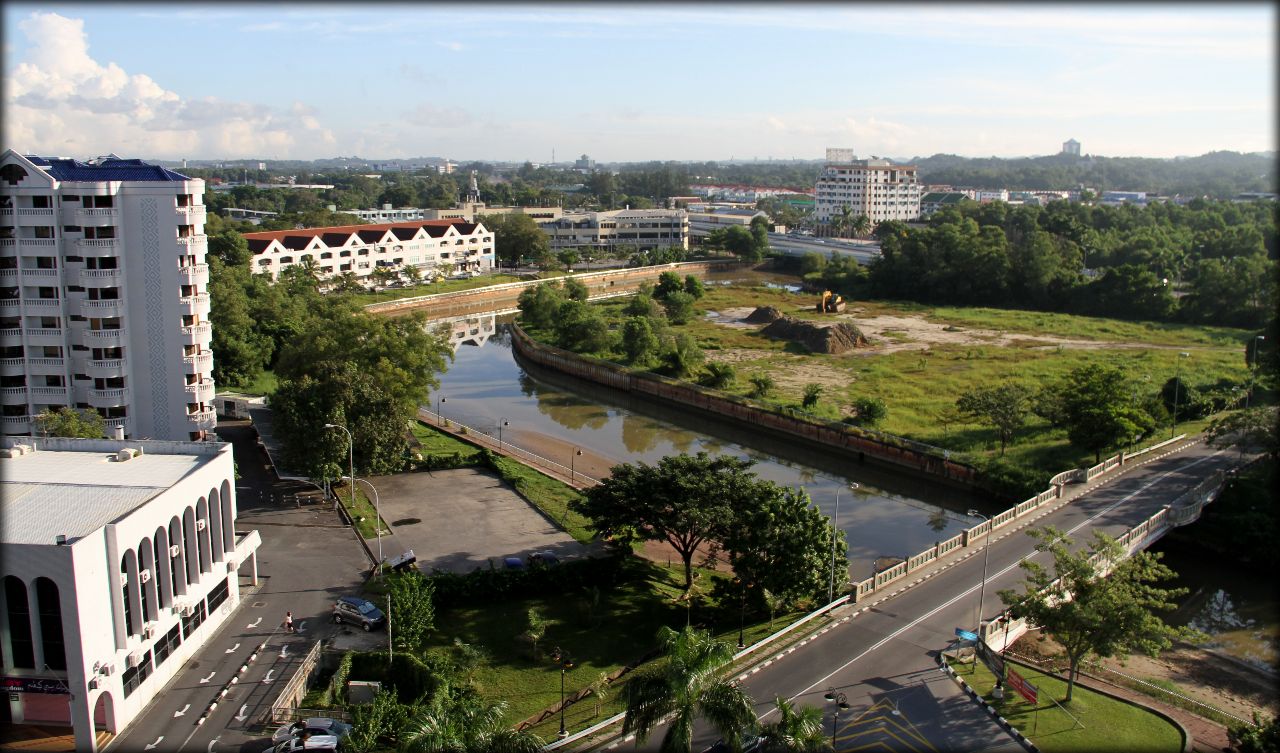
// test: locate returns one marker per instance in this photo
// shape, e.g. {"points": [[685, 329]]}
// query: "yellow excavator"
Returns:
{"points": [[831, 303]]}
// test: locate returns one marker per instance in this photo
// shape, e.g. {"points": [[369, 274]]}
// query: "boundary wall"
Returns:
{"points": [[602, 284], [830, 435]]}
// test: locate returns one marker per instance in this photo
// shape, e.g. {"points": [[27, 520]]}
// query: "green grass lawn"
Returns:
{"points": [[919, 387], [439, 444], [432, 288], [1109, 724], [265, 384]]}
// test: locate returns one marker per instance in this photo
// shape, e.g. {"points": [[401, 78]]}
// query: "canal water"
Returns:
{"points": [[890, 514]]}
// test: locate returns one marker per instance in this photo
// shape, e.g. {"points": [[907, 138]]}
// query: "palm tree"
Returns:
{"points": [[458, 720], [685, 684], [860, 225], [796, 731]]}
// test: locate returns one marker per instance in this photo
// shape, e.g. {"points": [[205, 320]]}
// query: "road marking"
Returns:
{"points": [[154, 744], [254, 624], [975, 587], [211, 743], [210, 677], [232, 650], [267, 679], [284, 651], [243, 713], [177, 714], [301, 626]]}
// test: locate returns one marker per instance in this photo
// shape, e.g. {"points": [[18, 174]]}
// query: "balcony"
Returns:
{"points": [[197, 274], [100, 277], [196, 333], [98, 213], [13, 395], [105, 337], [35, 212], [44, 335], [193, 240], [195, 304], [49, 394], [201, 391], [40, 272], [114, 396], [202, 420], [8, 274], [16, 424], [38, 243], [102, 308], [16, 365], [193, 213], [109, 367], [11, 333], [42, 302], [199, 363], [45, 365], [110, 424], [99, 243]]}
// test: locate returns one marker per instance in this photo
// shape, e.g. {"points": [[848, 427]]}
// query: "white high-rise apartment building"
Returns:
{"points": [[876, 188], [104, 301]]}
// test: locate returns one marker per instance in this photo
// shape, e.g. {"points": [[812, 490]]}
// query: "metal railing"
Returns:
{"points": [[479, 437]]}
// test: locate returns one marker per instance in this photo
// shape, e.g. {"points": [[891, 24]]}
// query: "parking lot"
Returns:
{"points": [[459, 520]]}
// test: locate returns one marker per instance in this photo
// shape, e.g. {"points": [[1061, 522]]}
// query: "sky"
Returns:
{"points": [[636, 82]]}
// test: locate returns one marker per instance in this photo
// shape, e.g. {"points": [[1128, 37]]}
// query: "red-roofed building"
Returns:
{"points": [[432, 247]]}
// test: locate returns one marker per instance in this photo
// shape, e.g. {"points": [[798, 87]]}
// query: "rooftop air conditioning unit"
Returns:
{"points": [[23, 449], [144, 575], [126, 453], [186, 610], [149, 632], [134, 659], [106, 670]]}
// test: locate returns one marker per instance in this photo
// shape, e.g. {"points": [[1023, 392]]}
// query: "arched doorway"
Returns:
{"points": [[104, 716]]}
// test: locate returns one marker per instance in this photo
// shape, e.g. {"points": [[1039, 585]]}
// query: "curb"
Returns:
{"points": [[1013, 731]]}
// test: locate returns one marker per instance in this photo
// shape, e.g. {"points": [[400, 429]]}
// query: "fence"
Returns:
{"points": [[864, 588], [480, 438], [285, 707]]}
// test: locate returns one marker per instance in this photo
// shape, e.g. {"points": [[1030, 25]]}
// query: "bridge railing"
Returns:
{"points": [[970, 536]]}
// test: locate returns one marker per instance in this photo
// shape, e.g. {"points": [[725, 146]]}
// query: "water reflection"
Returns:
{"points": [[466, 330], [892, 515]]}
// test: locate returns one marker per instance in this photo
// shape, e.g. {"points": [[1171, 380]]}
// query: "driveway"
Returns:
{"points": [[459, 520]]}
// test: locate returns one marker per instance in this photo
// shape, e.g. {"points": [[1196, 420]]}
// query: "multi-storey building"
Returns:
{"points": [[637, 229], [104, 301], [876, 188], [1071, 148], [425, 244], [121, 559]]}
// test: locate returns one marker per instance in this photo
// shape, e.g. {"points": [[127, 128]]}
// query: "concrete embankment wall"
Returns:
{"points": [[859, 443], [503, 297]]}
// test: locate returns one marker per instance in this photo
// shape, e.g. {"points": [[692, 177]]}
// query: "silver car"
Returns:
{"points": [[317, 726], [305, 742]]}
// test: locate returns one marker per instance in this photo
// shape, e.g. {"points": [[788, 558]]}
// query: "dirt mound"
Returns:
{"points": [[818, 338], [764, 315]]}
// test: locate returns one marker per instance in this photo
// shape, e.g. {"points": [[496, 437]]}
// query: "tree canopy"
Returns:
{"points": [[69, 422]]}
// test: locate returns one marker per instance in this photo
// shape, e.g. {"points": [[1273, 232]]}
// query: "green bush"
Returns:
{"points": [[493, 584]]}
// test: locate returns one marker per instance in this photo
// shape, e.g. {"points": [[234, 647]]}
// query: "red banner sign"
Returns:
{"points": [[1024, 688]]}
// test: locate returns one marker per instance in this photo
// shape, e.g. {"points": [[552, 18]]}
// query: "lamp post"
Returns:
{"points": [[575, 454], [377, 512], [841, 704], [1253, 369], [1177, 383], [439, 415], [566, 664], [742, 608], [351, 459], [831, 589], [986, 555], [501, 423]]}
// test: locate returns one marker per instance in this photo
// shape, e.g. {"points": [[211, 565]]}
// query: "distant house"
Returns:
{"points": [[932, 202], [1071, 148]]}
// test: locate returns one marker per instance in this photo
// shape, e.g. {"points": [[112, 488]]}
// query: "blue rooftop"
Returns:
{"points": [[110, 169]]}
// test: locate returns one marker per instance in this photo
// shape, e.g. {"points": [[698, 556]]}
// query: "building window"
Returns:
{"points": [[167, 644], [133, 676], [217, 595], [23, 653], [55, 650], [189, 624], [124, 589]]}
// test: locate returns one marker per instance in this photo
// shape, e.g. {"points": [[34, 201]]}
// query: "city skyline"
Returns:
{"points": [[626, 84]]}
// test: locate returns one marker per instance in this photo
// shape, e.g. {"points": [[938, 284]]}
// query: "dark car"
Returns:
{"points": [[544, 558], [356, 611]]}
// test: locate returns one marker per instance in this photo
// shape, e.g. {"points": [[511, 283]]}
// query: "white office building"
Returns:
{"points": [[121, 558], [104, 301], [427, 245], [875, 188], [635, 229]]}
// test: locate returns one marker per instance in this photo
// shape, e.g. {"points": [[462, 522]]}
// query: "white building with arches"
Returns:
{"points": [[120, 558]]}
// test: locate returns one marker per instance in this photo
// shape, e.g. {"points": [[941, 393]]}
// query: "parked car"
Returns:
{"points": [[357, 611], [544, 558], [319, 725], [513, 563], [750, 744], [304, 742]]}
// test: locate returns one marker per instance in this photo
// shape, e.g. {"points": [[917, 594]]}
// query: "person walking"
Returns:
{"points": [[288, 622]]}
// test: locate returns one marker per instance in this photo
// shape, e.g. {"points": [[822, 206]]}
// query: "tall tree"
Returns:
{"points": [[413, 609], [1096, 602], [798, 730], [459, 720], [780, 543], [1098, 408], [517, 236], [685, 683], [69, 422], [684, 500]]}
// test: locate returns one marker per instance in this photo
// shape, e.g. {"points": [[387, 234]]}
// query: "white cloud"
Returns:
{"points": [[451, 46], [62, 101]]}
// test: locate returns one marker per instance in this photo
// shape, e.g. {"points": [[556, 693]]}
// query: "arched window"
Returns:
{"points": [[228, 519], [146, 581], [177, 562], [215, 526], [124, 590], [163, 568], [15, 598], [55, 650]]}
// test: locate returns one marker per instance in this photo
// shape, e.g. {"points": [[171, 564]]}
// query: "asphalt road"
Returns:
{"points": [[881, 653], [307, 559]]}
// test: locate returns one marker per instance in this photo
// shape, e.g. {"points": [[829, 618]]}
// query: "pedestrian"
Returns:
{"points": [[288, 622]]}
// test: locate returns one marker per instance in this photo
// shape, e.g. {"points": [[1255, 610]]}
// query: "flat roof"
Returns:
{"points": [[51, 492]]}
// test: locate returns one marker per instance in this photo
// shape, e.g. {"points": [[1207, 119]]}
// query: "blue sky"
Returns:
{"points": [[636, 82]]}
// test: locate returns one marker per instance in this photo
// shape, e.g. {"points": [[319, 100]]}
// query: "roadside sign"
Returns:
{"points": [[1024, 688], [966, 635], [994, 661]]}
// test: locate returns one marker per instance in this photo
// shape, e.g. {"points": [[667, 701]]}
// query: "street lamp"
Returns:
{"points": [[1253, 369], [831, 589], [351, 458], [986, 555], [377, 511], [439, 415], [742, 611], [576, 453], [842, 704], [566, 664], [1177, 382], [501, 423]]}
